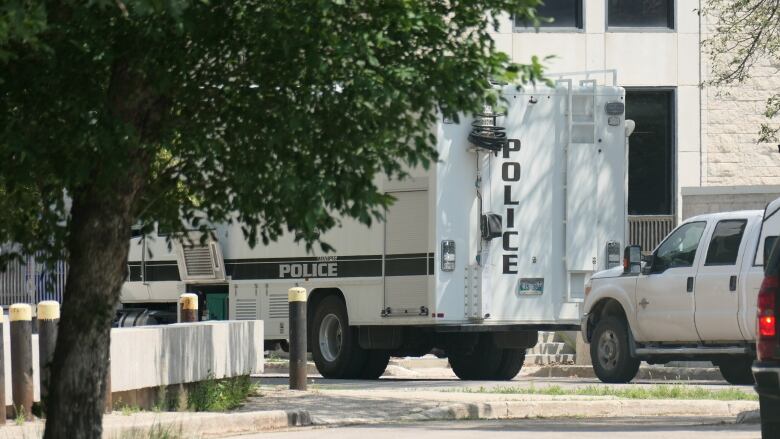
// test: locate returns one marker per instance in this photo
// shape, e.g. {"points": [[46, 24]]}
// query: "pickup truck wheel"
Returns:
{"points": [[482, 363], [335, 347], [770, 416], [737, 370], [609, 352]]}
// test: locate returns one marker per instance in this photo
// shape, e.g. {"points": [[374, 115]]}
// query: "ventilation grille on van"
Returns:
{"points": [[246, 309], [198, 260], [278, 308]]}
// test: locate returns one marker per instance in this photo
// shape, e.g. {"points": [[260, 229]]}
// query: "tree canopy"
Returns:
{"points": [[745, 35], [280, 112]]}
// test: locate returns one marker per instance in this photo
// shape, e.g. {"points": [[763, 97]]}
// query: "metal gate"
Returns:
{"points": [[29, 281]]}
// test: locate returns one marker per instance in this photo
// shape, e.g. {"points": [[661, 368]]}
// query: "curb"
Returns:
{"points": [[211, 424], [645, 373], [587, 409]]}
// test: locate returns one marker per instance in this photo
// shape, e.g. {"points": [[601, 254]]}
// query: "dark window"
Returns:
{"points": [[640, 13], [724, 245], [561, 13], [769, 243], [650, 177], [679, 248]]}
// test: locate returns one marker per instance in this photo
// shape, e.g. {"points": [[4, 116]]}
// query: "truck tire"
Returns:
{"points": [[511, 362], [375, 365], [609, 352], [737, 370], [481, 363], [770, 416], [335, 347]]}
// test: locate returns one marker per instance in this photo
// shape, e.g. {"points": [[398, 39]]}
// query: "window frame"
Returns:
{"points": [[555, 29], [638, 29], [744, 221]]}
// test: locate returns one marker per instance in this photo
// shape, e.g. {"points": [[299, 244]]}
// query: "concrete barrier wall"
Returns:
{"points": [[152, 356]]}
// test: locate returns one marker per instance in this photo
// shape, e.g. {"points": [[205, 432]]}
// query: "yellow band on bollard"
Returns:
{"points": [[296, 294], [20, 312], [49, 310], [188, 301]]}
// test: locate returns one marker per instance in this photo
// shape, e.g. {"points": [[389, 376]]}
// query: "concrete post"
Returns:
{"points": [[297, 299], [20, 316], [582, 356], [48, 321], [188, 307]]}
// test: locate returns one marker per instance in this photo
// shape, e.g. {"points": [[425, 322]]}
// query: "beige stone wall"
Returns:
{"points": [[711, 199], [731, 120]]}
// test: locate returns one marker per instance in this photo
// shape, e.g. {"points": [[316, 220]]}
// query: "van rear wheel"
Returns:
{"points": [[609, 351], [335, 347], [375, 365], [511, 362], [482, 362], [737, 370]]}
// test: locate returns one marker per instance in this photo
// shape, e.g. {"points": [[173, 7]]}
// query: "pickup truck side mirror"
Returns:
{"points": [[632, 259], [647, 264]]}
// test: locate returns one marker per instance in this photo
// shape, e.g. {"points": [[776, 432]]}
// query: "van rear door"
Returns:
{"points": [[753, 267]]}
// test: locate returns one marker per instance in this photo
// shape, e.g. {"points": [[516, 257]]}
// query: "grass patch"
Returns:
{"points": [[156, 432], [661, 391], [213, 395]]}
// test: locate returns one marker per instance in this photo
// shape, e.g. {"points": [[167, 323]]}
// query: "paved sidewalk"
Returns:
{"points": [[333, 406], [276, 408]]}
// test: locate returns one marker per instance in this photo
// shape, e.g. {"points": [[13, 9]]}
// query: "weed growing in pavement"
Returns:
{"points": [[157, 431], [661, 391], [213, 395], [127, 409], [20, 418]]}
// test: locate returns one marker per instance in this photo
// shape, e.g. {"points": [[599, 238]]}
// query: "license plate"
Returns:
{"points": [[530, 286]]}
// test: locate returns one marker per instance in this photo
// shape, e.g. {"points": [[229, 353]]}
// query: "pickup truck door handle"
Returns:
{"points": [[733, 283], [689, 285]]}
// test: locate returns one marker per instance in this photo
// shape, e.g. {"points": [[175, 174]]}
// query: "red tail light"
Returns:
{"points": [[767, 323]]}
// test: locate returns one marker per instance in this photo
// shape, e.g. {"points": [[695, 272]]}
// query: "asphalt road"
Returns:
{"points": [[657, 427]]}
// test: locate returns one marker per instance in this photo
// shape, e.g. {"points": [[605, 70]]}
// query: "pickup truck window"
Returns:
{"points": [[679, 249], [769, 243], [724, 245]]}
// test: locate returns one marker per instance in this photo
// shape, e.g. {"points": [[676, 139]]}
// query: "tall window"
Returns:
{"points": [[640, 13], [650, 155], [556, 14]]}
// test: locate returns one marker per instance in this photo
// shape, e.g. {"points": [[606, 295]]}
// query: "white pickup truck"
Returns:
{"points": [[694, 298]]}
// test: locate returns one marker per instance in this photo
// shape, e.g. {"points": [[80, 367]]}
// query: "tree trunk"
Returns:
{"points": [[98, 243], [98, 248]]}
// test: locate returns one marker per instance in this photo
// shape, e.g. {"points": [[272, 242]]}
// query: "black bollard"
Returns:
{"points": [[48, 320], [297, 298], [20, 316], [188, 308]]}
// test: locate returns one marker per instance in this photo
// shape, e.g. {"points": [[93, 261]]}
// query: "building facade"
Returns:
{"points": [[695, 148]]}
